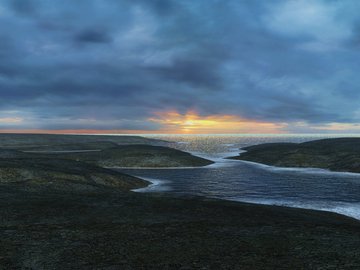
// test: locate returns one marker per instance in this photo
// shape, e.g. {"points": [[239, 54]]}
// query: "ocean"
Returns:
{"points": [[250, 182]]}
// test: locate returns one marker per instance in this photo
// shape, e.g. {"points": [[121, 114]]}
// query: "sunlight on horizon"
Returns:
{"points": [[192, 123]]}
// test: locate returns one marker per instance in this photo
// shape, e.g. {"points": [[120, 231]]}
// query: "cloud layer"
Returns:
{"points": [[109, 64]]}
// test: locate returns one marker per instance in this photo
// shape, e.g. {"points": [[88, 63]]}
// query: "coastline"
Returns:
{"points": [[156, 184], [157, 168], [298, 169], [345, 209], [348, 210], [335, 154]]}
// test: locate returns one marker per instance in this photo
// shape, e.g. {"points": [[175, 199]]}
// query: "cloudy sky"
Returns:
{"points": [[180, 66]]}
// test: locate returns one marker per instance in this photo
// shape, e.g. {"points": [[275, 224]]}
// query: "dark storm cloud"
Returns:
{"points": [[196, 73], [23, 7], [281, 61], [93, 36]]}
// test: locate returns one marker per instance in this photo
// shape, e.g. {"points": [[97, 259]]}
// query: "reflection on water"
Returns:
{"points": [[221, 145], [244, 181]]}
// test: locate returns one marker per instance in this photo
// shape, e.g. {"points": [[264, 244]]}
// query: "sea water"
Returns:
{"points": [[251, 182]]}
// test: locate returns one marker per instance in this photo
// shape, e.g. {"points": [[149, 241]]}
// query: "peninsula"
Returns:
{"points": [[340, 154]]}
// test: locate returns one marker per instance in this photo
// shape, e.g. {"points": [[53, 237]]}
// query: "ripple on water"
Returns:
{"points": [[251, 182]]}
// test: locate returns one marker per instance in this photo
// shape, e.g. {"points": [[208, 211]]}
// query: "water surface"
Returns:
{"points": [[250, 182]]}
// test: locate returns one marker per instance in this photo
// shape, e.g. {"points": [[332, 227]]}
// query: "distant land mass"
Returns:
{"points": [[65, 142], [107, 154], [340, 154], [76, 163]]}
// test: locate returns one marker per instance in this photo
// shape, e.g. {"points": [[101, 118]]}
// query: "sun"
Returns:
{"points": [[193, 123], [189, 123]]}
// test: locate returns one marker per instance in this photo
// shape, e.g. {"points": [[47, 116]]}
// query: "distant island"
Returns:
{"points": [[340, 154]]}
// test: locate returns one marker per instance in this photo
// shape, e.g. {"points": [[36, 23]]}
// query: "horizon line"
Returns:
{"points": [[170, 134]]}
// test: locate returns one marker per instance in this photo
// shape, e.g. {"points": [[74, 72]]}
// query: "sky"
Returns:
{"points": [[180, 66]]}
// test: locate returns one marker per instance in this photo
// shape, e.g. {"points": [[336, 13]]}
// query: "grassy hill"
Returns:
{"points": [[104, 151], [76, 163], [133, 156], [63, 175], [340, 154], [48, 141]]}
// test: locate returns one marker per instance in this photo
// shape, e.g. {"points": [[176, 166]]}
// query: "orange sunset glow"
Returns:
{"points": [[173, 122], [193, 123]]}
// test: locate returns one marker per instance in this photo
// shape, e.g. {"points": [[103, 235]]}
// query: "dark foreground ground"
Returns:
{"points": [[126, 230]]}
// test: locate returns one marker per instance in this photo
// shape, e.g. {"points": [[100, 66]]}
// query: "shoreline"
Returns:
{"points": [[213, 165], [298, 169], [154, 184], [157, 185], [218, 162], [156, 168], [342, 210]]}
